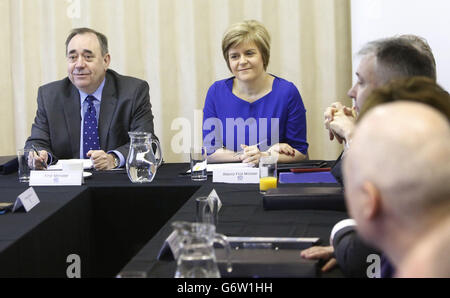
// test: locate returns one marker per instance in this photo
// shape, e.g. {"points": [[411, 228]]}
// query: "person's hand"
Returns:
{"points": [[335, 110], [343, 124], [101, 160], [38, 162], [320, 253], [251, 154], [282, 148], [329, 116]]}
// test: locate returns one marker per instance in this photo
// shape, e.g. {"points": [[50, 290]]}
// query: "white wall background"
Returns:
{"points": [[373, 19]]}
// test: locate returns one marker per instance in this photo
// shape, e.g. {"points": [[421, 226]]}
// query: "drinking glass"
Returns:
{"points": [[24, 168], [198, 159], [267, 173]]}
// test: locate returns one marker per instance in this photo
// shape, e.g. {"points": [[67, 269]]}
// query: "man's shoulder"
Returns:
{"points": [[122, 80], [60, 84], [52, 90]]}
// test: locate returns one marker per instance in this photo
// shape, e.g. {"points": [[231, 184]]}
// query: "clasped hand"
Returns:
{"points": [[340, 121], [101, 160], [252, 154]]}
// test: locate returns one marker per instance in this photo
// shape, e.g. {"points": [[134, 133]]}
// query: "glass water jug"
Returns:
{"points": [[142, 162], [196, 257]]}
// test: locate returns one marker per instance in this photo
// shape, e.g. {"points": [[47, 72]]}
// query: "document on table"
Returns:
{"points": [[231, 165], [87, 164]]}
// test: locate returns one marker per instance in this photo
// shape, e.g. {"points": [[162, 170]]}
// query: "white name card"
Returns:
{"points": [[56, 178], [174, 243], [241, 176], [28, 199], [214, 196]]}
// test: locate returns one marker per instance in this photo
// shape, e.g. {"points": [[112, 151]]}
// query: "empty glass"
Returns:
{"points": [[24, 168], [199, 164]]}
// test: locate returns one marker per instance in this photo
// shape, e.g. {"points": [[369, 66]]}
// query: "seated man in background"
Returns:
{"points": [[399, 196], [381, 61], [89, 113], [350, 250]]}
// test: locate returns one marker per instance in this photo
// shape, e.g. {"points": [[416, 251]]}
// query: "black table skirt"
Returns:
{"points": [[117, 226]]}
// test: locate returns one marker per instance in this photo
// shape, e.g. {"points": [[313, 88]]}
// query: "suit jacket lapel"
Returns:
{"points": [[107, 107], [72, 108]]}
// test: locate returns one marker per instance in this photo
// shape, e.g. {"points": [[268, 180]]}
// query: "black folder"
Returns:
{"points": [[8, 164], [314, 198]]}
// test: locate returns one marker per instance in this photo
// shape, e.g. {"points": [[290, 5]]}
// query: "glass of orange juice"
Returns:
{"points": [[267, 173]]}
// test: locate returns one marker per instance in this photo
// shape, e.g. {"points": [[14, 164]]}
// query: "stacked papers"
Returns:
{"points": [[87, 164]]}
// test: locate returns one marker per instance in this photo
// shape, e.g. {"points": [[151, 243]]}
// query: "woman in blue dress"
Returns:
{"points": [[253, 113]]}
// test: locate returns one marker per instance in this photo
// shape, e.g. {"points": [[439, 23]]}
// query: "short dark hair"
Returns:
{"points": [[399, 58], [416, 89], [422, 45], [101, 38]]}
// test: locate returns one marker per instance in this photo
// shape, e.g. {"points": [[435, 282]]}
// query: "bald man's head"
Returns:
{"points": [[429, 258], [400, 152]]}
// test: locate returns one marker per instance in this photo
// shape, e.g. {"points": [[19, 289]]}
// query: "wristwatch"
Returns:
{"points": [[116, 160]]}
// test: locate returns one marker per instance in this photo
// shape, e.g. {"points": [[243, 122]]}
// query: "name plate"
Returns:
{"points": [[28, 199], [56, 178], [174, 244], [240, 176], [214, 196]]}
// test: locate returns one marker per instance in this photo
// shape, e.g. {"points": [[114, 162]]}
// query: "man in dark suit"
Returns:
{"points": [[350, 251], [381, 61], [89, 113]]}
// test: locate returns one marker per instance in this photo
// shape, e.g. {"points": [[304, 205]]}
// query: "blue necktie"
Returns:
{"points": [[91, 140]]}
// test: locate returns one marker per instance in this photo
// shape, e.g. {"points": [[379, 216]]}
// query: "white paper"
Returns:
{"points": [[55, 178], [87, 164], [28, 199], [238, 176], [231, 165]]}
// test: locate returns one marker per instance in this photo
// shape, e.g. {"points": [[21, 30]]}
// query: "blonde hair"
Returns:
{"points": [[247, 31]]}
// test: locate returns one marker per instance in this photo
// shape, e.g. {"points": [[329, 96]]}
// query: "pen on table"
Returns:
{"points": [[37, 153], [242, 150]]}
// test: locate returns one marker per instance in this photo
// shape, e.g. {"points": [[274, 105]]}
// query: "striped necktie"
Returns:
{"points": [[91, 140]]}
